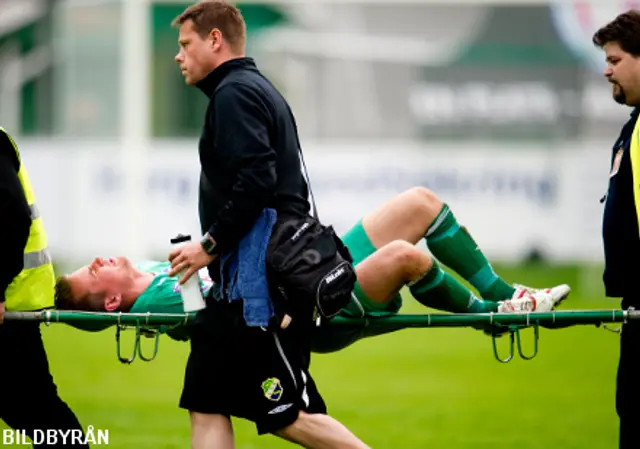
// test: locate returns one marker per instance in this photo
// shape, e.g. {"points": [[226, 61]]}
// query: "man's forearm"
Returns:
{"points": [[251, 193], [244, 134], [16, 223], [12, 241], [235, 220]]}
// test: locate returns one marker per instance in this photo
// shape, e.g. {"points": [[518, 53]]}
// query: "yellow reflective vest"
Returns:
{"points": [[34, 287], [635, 167]]}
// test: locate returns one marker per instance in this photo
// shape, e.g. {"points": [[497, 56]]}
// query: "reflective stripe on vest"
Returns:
{"points": [[35, 213], [36, 259], [34, 287]]}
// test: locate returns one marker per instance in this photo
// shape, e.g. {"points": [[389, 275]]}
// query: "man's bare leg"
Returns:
{"points": [[418, 213], [210, 431], [385, 272], [399, 263], [405, 217], [317, 431]]}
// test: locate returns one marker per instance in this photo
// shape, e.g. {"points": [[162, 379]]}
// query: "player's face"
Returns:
{"points": [[623, 72], [196, 57], [104, 278]]}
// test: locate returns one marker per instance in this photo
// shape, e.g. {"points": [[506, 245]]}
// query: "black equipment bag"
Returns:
{"points": [[308, 264]]}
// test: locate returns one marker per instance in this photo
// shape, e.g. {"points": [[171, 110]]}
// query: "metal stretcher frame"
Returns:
{"points": [[494, 324]]}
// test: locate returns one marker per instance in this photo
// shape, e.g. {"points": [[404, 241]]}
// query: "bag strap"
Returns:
{"points": [[304, 166], [313, 201]]}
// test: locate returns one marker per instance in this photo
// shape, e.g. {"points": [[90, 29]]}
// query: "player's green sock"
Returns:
{"points": [[452, 245], [440, 290]]}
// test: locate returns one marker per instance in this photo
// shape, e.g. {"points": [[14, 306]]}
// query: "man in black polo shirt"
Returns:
{"points": [[620, 39], [250, 167]]}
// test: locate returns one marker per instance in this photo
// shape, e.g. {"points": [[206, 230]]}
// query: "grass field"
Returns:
{"points": [[433, 388]]}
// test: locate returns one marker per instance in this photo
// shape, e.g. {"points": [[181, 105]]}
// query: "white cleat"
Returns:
{"points": [[540, 301], [558, 293]]}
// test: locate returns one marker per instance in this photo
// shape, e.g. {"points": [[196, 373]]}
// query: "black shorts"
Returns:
{"points": [[248, 372]]}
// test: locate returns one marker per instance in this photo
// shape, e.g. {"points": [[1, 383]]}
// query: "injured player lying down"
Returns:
{"points": [[383, 245]]}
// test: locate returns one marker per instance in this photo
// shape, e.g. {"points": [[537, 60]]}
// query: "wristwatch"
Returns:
{"points": [[209, 244]]}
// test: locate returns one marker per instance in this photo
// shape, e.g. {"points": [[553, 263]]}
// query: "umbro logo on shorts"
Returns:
{"points": [[280, 409]]}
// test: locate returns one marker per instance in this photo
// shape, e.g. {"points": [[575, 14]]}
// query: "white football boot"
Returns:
{"points": [[558, 293], [540, 301]]}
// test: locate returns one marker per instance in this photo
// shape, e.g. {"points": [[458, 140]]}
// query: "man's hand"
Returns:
{"points": [[286, 321], [1, 312], [190, 257]]}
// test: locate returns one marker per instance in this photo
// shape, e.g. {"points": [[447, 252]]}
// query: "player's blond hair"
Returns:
{"points": [[66, 299]]}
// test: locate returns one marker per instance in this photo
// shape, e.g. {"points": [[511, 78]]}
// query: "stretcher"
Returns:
{"points": [[152, 325]]}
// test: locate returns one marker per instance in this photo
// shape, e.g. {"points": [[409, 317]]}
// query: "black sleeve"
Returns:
{"points": [[16, 216], [242, 124]]}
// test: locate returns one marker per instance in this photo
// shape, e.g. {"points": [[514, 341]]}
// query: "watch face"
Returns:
{"points": [[208, 245]]}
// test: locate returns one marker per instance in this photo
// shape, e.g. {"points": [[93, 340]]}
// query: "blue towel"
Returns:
{"points": [[243, 271]]}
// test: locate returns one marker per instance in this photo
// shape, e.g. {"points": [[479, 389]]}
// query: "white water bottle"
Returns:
{"points": [[191, 292]]}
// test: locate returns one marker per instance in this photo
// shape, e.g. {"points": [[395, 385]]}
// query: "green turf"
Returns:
{"points": [[433, 388]]}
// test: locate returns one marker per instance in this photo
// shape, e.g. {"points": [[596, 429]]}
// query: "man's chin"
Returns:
{"points": [[620, 98], [190, 80]]}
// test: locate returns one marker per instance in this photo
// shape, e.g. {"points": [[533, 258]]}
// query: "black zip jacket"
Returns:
{"points": [[15, 216], [620, 223], [248, 154]]}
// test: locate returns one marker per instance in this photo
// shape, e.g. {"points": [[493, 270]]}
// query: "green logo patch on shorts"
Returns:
{"points": [[272, 389]]}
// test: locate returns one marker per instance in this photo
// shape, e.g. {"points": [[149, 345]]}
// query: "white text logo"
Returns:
{"points": [[53, 437]]}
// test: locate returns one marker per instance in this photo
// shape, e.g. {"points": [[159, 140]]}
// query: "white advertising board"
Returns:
{"points": [[512, 200]]}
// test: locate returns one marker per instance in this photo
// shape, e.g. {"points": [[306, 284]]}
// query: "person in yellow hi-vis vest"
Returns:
{"points": [[29, 400], [620, 40]]}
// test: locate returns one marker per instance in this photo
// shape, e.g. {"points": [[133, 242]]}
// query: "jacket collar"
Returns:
{"points": [[210, 82]]}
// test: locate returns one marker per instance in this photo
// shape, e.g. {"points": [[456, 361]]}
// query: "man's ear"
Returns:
{"points": [[112, 302], [215, 37]]}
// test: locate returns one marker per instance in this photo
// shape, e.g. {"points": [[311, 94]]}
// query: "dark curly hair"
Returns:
{"points": [[623, 30]]}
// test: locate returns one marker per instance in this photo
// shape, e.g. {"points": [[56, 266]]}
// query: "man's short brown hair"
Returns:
{"points": [[66, 299], [210, 14], [623, 30]]}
